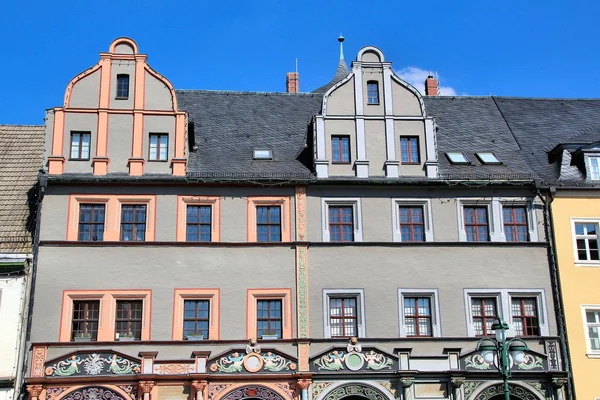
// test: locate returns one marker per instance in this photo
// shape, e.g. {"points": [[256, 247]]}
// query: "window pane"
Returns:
{"points": [[75, 143], [163, 147], [85, 146]]}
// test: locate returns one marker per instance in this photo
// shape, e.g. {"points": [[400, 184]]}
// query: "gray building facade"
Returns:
{"points": [[359, 240]]}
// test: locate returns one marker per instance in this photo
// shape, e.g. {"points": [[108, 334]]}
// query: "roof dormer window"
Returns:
{"points": [[594, 168], [262, 154], [457, 158], [488, 158]]}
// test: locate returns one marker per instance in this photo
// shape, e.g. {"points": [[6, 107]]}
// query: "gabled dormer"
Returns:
{"points": [[373, 124], [119, 116]]}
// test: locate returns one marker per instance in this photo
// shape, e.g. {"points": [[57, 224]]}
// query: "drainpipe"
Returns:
{"points": [[30, 288], [555, 280]]}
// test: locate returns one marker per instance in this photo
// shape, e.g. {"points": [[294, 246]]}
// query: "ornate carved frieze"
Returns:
{"points": [[302, 291], [552, 352], [356, 389], [483, 362], [391, 386], [38, 358], [95, 364], [54, 393], [174, 368], [497, 390], [353, 358], [318, 387], [93, 393], [34, 390], [215, 388], [131, 390], [252, 392], [254, 360]]}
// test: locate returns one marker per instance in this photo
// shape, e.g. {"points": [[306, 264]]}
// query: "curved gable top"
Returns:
{"points": [[370, 54], [412, 89], [123, 45]]}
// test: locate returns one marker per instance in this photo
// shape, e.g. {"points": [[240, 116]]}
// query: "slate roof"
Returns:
{"points": [[228, 126], [340, 73], [21, 150], [470, 125], [539, 125]]}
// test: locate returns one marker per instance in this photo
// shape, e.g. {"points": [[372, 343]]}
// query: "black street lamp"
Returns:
{"points": [[503, 350]]}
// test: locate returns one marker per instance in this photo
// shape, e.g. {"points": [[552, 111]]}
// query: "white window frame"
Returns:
{"points": [[576, 259], [585, 308], [354, 202], [432, 294], [503, 302], [495, 216], [588, 163], [427, 218], [530, 214], [359, 295]]}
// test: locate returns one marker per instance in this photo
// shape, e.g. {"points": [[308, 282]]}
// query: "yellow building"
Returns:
{"points": [[576, 223]]}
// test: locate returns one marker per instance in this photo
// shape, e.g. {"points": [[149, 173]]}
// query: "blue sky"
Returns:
{"points": [[530, 48]]}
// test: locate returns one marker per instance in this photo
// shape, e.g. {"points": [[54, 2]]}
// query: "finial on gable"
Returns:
{"points": [[341, 40]]}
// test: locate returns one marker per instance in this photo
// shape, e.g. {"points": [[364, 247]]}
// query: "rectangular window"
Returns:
{"points": [[340, 149], [592, 318], [122, 86], [594, 168], [91, 222], [343, 317], [525, 316], [484, 312], [586, 237], [133, 223], [196, 319], [199, 224], [80, 146], [86, 315], [268, 223], [412, 224], [476, 224], [341, 224], [128, 322], [269, 318], [372, 92], [409, 148], [515, 224], [417, 316], [159, 144]]}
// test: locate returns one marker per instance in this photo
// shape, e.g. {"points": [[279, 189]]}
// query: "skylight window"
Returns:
{"points": [[262, 154], [488, 158], [458, 158]]}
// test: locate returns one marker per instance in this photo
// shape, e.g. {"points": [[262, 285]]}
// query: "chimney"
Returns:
{"points": [[431, 86], [292, 82]]}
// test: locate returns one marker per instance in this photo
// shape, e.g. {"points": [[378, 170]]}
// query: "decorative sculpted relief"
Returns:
{"points": [[530, 361], [318, 387], [93, 364], [174, 369], [497, 390], [302, 291], [253, 362], [39, 356], [93, 393], [301, 212], [354, 359]]}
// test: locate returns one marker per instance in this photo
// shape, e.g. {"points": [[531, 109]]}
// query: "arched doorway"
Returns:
{"points": [[93, 393], [496, 392], [252, 392], [355, 391]]}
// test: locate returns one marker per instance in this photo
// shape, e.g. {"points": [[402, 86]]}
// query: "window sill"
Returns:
{"points": [[341, 162], [373, 104], [580, 263], [410, 163], [149, 160], [593, 355], [78, 159], [121, 98]]}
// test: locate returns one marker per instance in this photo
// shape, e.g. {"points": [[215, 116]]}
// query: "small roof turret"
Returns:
{"points": [[341, 72]]}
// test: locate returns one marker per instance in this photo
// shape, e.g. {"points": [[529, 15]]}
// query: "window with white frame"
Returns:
{"points": [[591, 316], [524, 310], [594, 165], [341, 220], [343, 313], [496, 219], [586, 241], [419, 313], [411, 219]]}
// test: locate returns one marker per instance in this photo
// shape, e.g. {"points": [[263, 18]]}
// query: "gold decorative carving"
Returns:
{"points": [[173, 369], [146, 386], [301, 213], [34, 390], [303, 357], [288, 388], [215, 389], [39, 357]]}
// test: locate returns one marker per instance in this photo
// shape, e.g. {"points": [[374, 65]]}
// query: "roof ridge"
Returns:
{"points": [[245, 92], [21, 125]]}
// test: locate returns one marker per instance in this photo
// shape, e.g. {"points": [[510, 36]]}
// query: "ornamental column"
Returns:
{"points": [[34, 391], [559, 383], [406, 384], [304, 384], [146, 388], [457, 383], [198, 389]]}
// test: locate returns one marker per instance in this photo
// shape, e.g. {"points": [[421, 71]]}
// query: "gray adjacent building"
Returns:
{"points": [[354, 241]]}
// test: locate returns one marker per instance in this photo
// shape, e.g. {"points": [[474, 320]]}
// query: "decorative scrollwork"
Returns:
{"points": [[252, 362], [476, 361], [93, 393], [530, 362], [252, 391], [497, 390], [356, 390], [93, 364], [338, 360]]}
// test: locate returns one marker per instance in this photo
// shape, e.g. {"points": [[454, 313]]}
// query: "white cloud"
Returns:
{"points": [[416, 77]]}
